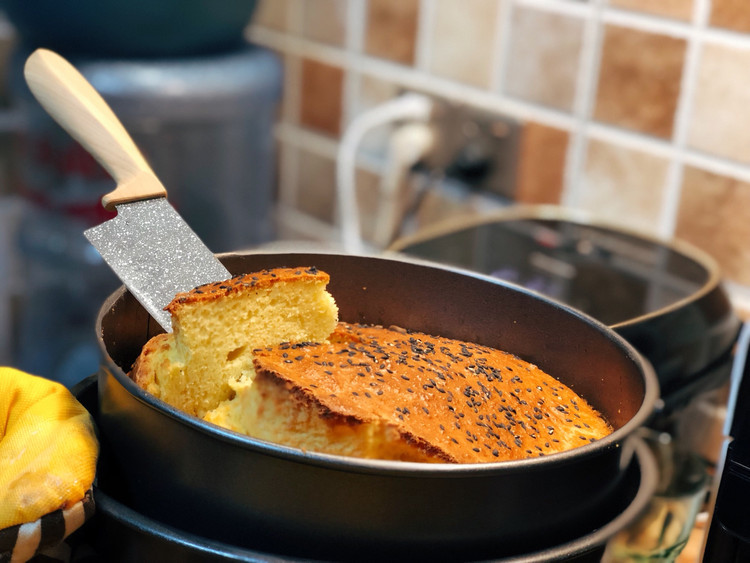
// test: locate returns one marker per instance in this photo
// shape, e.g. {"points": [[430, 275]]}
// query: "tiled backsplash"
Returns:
{"points": [[633, 110]]}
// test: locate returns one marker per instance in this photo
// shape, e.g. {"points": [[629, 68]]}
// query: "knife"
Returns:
{"points": [[148, 244]]}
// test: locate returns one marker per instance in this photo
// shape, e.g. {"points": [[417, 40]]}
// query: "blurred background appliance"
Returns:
{"points": [[198, 100]]}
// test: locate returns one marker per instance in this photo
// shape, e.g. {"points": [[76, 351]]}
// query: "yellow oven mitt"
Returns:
{"points": [[48, 453]]}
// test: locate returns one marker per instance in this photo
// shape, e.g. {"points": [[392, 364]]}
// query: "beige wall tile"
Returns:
{"points": [[374, 91], [391, 30], [316, 193], [544, 56], [676, 9], [368, 191], [623, 186], [325, 21], [272, 14], [541, 164], [288, 158], [639, 81], [321, 97], [721, 108], [714, 215], [461, 40], [731, 14], [289, 231]]}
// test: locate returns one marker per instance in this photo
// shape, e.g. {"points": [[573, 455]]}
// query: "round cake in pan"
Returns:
{"points": [[264, 354]]}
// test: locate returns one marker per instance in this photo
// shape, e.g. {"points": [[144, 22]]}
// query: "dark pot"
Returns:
{"points": [[208, 481], [138, 28]]}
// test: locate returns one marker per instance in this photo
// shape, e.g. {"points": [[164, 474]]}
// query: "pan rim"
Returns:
{"points": [[402, 468], [543, 212]]}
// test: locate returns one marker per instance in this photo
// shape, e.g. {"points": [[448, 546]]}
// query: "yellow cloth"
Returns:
{"points": [[48, 448]]}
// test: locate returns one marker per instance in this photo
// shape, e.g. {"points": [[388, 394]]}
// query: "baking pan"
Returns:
{"points": [[123, 535], [215, 483], [120, 534]]}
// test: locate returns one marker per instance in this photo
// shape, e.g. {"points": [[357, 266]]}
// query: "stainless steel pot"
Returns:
{"points": [[205, 480]]}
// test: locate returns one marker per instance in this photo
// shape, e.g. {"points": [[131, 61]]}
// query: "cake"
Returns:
{"points": [[216, 327], [355, 390], [393, 394]]}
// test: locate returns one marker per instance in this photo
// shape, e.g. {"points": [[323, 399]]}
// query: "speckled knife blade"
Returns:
{"points": [[148, 245], [155, 253]]}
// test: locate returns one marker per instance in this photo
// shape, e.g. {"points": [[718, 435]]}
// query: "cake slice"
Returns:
{"points": [[217, 326]]}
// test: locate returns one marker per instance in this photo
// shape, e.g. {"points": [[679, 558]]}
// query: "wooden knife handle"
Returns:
{"points": [[71, 100]]}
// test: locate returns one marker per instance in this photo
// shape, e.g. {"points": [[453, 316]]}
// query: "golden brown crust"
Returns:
{"points": [[400, 445], [241, 282], [457, 401], [145, 368]]}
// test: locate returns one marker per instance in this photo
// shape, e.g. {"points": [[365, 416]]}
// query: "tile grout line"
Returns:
{"points": [[327, 147], [288, 173], [356, 23], [289, 157], [630, 139], [650, 23], [501, 47], [644, 22], [425, 22], [676, 170], [716, 165], [580, 9], [355, 26], [411, 78], [637, 142], [584, 107], [683, 30], [322, 146], [354, 41]]}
